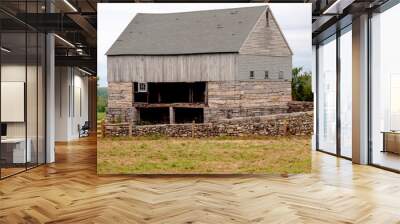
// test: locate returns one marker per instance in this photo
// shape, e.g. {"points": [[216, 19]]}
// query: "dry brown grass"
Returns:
{"points": [[159, 155]]}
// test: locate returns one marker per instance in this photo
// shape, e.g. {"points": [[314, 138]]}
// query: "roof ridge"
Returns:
{"points": [[192, 32], [205, 10]]}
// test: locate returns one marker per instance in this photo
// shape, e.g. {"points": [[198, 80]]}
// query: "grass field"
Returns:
{"points": [[236, 155], [101, 115]]}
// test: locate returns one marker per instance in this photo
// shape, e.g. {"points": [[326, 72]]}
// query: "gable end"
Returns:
{"points": [[266, 38]]}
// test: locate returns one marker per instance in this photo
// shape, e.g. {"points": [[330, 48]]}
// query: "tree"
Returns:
{"points": [[301, 85], [102, 95]]}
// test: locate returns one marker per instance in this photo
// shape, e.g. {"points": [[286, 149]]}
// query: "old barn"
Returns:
{"points": [[199, 66]]}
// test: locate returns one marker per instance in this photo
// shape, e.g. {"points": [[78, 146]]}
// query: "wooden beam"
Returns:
{"points": [[167, 105], [171, 115]]}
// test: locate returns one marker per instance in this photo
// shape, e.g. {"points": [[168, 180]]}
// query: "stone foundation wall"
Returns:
{"points": [[300, 123], [226, 100], [115, 130], [118, 115], [232, 99], [300, 106], [120, 94], [120, 100], [215, 114]]}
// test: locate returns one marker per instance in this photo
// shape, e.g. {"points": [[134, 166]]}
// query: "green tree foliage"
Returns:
{"points": [[102, 95], [301, 85]]}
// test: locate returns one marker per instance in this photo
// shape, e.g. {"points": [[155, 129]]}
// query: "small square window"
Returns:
{"points": [[251, 74], [142, 87], [280, 75], [266, 75]]}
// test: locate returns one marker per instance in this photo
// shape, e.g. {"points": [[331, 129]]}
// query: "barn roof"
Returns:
{"points": [[211, 31]]}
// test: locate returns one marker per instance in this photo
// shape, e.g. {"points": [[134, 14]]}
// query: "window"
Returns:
{"points": [[281, 75], [251, 74], [14, 76], [385, 89], [334, 124], [345, 83], [22, 105], [266, 75], [142, 87], [327, 96]]}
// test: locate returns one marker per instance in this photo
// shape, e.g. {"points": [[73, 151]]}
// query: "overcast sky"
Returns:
{"points": [[293, 18]]}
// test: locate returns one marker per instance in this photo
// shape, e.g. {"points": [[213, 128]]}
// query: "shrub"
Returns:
{"points": [[301, 85]]}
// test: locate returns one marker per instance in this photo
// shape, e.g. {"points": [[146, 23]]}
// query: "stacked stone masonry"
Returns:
{"points": [[299, 106], [233, 108], [300, 123], [120, 98], [120, 94], [246, 99]]}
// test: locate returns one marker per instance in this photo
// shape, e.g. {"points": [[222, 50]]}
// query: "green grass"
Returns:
{"points": [[162, 155], [101, 116]]}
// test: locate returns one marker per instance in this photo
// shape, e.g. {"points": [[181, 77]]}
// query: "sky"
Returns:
{"points": [[293, 18]]}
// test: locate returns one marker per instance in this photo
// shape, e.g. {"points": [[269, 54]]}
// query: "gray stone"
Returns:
{"points": [[299, 123]]}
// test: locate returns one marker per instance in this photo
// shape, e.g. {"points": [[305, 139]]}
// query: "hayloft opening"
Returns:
{"points": [[171, 92]]}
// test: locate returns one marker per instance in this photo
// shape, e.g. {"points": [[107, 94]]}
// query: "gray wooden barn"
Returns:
{"points": [[199, 66]]}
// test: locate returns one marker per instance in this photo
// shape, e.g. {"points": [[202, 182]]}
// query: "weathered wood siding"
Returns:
{"points": [[266, 39], [260, 64], [181, 68]]}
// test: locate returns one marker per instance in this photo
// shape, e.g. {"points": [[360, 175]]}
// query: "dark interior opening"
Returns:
{"points": [[154, 116], [3, 129], [188, 115], [139, 96], [174, 92]]}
